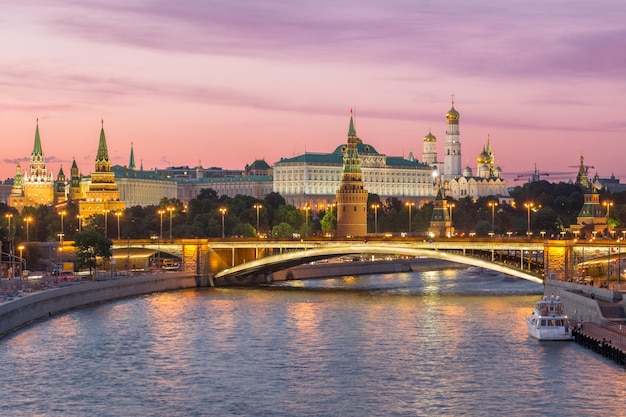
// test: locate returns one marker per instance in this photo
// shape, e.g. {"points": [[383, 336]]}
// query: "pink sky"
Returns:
{"points": [[227, 82]]}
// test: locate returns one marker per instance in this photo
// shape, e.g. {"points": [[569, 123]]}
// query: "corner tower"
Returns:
{"points": [[37, 182], [351, 196], [452, 147]]}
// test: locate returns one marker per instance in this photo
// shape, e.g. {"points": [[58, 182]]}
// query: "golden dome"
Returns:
{"points": [[483, 158], [430, 137], [452, 113]]}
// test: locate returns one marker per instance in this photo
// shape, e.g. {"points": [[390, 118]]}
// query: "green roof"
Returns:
{"points": [[37, 151]]}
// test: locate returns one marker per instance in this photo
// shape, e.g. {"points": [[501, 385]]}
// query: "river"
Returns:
{"points": [[444, 343]]}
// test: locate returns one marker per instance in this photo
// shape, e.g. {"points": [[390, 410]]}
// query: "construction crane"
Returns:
{"points": [[536, 175]]}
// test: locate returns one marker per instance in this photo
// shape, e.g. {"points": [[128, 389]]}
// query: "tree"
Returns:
{"points": [[90, 245], [244, 229], [282, 230]]}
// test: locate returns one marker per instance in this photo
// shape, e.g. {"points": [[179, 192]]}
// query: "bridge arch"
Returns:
{"points": [[278, 262]]}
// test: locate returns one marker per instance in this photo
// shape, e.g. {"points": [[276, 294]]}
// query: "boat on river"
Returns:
{"points": [[548, 320]]}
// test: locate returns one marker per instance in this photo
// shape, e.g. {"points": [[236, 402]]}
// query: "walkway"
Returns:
{"points": [[608, 340]]}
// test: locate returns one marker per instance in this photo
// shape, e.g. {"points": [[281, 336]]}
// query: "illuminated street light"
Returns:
{"points": [[451, 206], [493, 205], [27, 220], [161, 213], [106, 221], [608, 204], [118, 214], [80, 222], [9, 216], [410, 205], [223, 211], [306, 209], [171, 210], [529, 205], [257, 207], [375, 207], [62, 213]]}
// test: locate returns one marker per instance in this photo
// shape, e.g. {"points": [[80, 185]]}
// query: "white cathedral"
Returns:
{"points": [[457, 182]]}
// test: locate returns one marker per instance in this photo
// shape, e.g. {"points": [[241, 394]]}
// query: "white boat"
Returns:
{"points": [[548, 321]]}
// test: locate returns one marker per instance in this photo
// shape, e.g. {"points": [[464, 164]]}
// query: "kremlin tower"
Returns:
{"points": [[351, 196]]}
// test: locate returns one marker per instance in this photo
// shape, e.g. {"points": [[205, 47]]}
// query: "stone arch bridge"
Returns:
{"points": [[253, 261]]}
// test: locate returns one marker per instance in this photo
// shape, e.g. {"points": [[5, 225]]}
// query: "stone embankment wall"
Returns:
{"points": [[21, 311], [581, 301], [338, 269]]}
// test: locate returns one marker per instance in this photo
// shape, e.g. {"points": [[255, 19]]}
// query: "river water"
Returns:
{"points": [[443, 343]]}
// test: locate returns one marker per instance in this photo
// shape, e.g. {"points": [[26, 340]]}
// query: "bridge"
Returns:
{"points": [[255, 260]]}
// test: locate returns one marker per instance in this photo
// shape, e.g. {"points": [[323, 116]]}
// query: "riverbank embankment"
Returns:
{"points": [[339, 269], [33, 306]]}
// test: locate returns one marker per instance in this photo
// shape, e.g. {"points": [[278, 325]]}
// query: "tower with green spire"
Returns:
{"points": [[131, 163], [102, 195], [37, 183], [351, 196]]}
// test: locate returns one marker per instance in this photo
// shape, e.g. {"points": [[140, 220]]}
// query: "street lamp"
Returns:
{"points": [[9, 216], [161, 213], [410, 205], [451, 206], [529, 205], [306, 209], [118, 214], [171, 210], [257, 207], [493, 205], [62, 213], [608, 204], [27, 220], [375, 207], [21, 248], [106, 221], [80, 222], [223, 211]]}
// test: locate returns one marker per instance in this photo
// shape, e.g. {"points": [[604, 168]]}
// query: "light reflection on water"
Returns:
{"points": [[439, 343]]}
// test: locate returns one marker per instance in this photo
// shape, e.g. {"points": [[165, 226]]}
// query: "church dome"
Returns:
{"points": [[430, 137], [483, 158], [467, 172], [452, 113]]}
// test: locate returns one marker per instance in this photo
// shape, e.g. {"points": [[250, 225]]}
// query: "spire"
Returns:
{"points": [[488, 143], [37, 151], [131, 164], [351, 130], [102, 158]]}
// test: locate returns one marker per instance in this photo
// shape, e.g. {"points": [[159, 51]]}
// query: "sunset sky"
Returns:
{"points": [[227, 82]]}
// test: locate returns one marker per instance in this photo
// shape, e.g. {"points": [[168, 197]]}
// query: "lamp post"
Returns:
{"points": [[410, 206], [493, 205], [376, 207], [106, 221], [9, 216], [27, 220], [306, 209], [223, 211], [529, 205], [80, 222], [451, 206], [257, 207], [118, 214], [161, 213], [21, 248], [608, 204], [62, 213], [171, 210]]}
